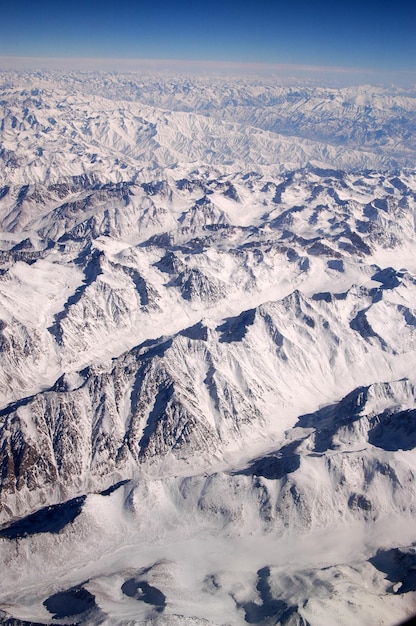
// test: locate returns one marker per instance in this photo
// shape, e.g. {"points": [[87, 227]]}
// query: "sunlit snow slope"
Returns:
{"points": [[207, 352]]}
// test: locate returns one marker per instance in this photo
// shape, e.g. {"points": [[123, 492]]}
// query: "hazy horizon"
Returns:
{"points": [[296, 73]]}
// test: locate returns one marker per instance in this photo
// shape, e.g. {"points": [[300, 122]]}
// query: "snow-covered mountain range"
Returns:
{"points": [[207, 351]]}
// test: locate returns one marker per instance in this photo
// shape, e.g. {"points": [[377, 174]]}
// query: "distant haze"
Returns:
{"points": [[283, 74]]}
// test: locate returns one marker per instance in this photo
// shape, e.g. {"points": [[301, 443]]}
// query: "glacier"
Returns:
{"points": [[207, 351]]}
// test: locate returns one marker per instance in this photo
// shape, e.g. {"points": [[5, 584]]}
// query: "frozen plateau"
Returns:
{"points": [[207, 351]]}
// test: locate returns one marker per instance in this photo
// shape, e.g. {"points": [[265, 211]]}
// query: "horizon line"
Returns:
{"points": [[18, 59], [283, 73]]}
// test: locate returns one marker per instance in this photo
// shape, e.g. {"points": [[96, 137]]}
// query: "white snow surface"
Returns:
{"points": [[208, 336]]}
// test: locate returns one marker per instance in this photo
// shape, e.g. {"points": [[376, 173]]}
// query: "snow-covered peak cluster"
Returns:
{"points": [[114, 127], [207, 350]]}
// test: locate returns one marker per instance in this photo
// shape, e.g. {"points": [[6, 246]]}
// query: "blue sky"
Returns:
{"points": [[379, 35]]}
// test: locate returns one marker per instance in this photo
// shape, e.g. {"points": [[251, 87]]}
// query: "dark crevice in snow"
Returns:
{"points": [[235, 328], [400, 566], [164, 394], [328, 420], [51, 519], [198, 331], [336, 264], [271, 610], [388, 277], [361, 325], [394, 431], [75, 601], [91, 270], [152, 348], [277, 465], [11, 408], [141, 590], [138, 281], [110, 490]]}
